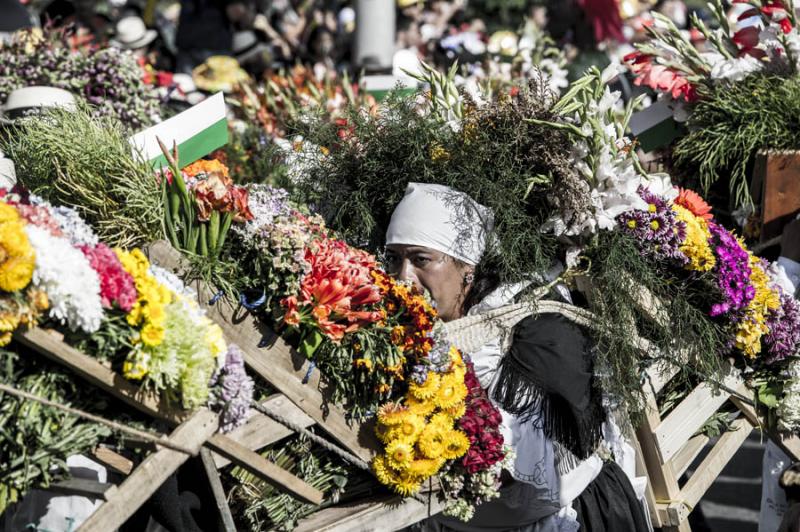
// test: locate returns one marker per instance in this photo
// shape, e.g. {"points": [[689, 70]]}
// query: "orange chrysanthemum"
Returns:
{"points": [[206, 167], [692, 201]]}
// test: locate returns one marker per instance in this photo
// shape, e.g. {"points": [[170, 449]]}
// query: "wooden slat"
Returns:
{"points": [[660, 476], [85, 487], [54, 348], [711, 467], [151, 473], [788, 444], [691, 414], [217, 490], [279, 364], [112, 460], [684, 458], [265, 469], [260, 431], [376, 515]]}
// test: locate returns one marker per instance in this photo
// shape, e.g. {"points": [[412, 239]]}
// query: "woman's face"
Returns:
{"points": [[442, 275]]}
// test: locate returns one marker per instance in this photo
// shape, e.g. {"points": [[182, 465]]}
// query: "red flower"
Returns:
{"points": [[693, 202], [746, 38]]}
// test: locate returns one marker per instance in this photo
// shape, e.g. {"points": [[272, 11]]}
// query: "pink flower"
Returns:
{"points": [[116, 285]]}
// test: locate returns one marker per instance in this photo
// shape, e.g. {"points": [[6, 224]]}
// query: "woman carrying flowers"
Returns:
{"points": [[552, 413]]}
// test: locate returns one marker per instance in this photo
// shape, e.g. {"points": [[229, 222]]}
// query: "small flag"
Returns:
{"points": [[198, 131], [380, 85], [655, 127]]}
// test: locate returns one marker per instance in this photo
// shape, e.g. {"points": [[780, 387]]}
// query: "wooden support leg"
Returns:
{"points": [[151, 474], [217, 490]]}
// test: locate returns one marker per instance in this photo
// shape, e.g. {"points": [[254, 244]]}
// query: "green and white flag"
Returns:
{"points": [[379, 86], [655, 126], [197, 131]]}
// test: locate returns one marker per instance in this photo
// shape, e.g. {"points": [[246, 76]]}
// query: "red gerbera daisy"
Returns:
{"points": [[692, 201]]}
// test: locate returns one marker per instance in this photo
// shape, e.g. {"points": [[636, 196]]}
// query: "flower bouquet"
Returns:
{"points": [[741, 69], [107, 78], [200, 204]]}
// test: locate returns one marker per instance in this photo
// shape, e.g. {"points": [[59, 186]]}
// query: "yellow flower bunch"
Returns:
{"points": [[420, 435], [148, 314], [695, 246], [17, 258], [754, 324]]}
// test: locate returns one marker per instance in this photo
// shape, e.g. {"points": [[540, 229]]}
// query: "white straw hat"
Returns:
{"points": [[21, 101], [131, 33]]}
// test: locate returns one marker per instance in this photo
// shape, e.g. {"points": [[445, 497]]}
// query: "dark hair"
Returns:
{"points": [[487, 279]]}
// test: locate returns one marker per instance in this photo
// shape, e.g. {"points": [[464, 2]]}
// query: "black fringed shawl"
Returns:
{"points": [[548, 369]]}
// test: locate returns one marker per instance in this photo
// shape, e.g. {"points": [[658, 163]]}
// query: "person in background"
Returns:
{"points": [[774, 503], [206, 27], [13, 17]]}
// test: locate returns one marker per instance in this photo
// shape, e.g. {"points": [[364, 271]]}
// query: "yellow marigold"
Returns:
{"points": [[418, 406], [152, 335], [428, 389], [424, 468], [17, 258], [695, 246], [399, 454], [452, 391], [456, 444], [206, 167], [431, 442], [392, 414]]}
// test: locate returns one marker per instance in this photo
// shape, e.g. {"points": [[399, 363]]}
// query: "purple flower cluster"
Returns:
{"points": [[784, 329], [733, 272], [108, 78], [231, 391], [658, 231]]}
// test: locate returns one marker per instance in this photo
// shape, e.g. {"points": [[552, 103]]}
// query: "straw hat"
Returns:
{"points": [[25, 101], [219, 73], [131, 33]]}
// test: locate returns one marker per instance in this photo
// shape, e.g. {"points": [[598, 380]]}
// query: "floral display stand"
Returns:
{"points": [[194, 431], [776, 189]]}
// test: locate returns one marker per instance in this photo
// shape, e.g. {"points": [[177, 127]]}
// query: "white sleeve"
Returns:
{"points": [[787, 274]]}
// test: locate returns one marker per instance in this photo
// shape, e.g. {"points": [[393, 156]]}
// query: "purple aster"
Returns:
{"points": [[232, 391], [784, 329], [657, 231], [733, 272]]}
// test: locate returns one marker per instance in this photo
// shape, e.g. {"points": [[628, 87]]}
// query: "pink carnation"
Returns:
{"points": [[116, 285]]}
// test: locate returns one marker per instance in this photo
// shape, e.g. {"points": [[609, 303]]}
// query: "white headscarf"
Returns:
{"points": [[441, 218]]}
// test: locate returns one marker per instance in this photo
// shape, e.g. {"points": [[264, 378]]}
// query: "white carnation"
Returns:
{"points": [[69, 281]]}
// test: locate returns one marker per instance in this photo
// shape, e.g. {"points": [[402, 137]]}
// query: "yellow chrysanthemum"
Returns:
{"points": [[452, 391], [695, 246], [458, 411], [428, 389], [17, 258], [154, 313], [409, 428], [424, 468], [215, 338], [136, 315], [8, 322], [456, 358], [38, 299], [402, 483], [136, 366], [392, 414], [152, 335], [5, 338], [419, 407], [8, 213], [442, 419], [456, 444], [399, 454], [431, 442]]}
